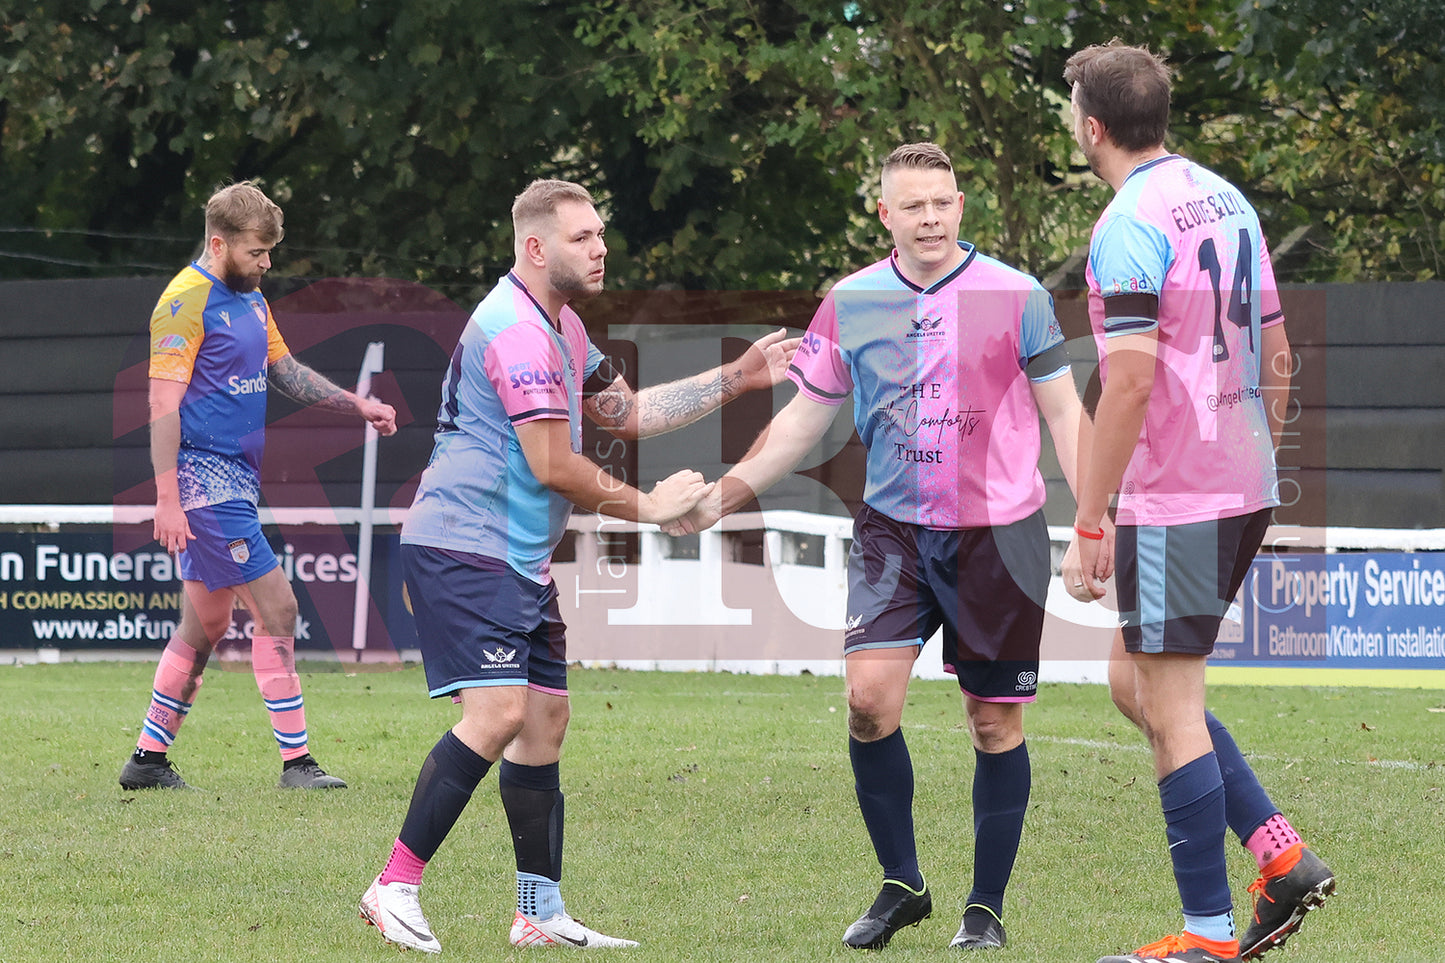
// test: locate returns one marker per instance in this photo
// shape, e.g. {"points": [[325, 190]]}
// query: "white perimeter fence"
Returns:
{"points": [[733, 614]]}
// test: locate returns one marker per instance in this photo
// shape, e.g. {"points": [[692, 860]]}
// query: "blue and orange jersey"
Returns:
{"points": [[220, 344]]}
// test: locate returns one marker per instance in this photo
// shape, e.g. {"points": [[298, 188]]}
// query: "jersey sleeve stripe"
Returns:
{"points": [[532, 413], [813, 389]]}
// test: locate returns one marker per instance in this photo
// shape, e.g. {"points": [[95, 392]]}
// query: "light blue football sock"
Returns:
{"points": [[538, 897]]}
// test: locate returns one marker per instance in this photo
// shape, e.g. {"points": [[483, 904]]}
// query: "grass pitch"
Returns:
{"points": [[710, 816]]}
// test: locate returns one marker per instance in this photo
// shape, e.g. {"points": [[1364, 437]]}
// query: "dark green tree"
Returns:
{"points": [[731, 143]]}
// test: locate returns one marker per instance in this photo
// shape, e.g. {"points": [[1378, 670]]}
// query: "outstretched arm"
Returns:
{"points": [[662, 408], [788, 437], [547, 446], [304, 385]]}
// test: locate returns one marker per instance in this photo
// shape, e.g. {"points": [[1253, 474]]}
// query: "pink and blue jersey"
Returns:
{"points": [[940, 380], [220, 344], [1180, 251], [478, 495]]}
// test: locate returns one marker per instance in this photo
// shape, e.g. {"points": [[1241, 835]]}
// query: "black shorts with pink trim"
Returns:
{"points": [[984, 587], [481, 623]]}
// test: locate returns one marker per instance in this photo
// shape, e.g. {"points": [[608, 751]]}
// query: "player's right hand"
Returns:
{"points": [[1087, 565], [704, 515], [171, 528], [673, 497]]}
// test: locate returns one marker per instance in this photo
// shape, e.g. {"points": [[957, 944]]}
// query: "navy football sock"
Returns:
{"points": [[532, 798], [1246, 805], [883, 779], [1001, 783], [1193, 800], [448, 778]]}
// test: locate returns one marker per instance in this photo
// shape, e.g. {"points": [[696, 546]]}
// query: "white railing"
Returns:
{"points": [[688, 613], [1293, 536]]}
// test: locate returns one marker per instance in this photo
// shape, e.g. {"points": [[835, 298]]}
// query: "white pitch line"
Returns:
{"points": [[1135, 747]]}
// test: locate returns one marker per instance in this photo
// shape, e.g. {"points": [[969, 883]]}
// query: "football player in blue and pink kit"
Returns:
{"points": [[214, 352], [949, 358], [1195, 365], [493, 504]]}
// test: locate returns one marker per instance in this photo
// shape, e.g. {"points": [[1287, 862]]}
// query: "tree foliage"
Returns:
{"points": [[731, 143], [1351, 141]]}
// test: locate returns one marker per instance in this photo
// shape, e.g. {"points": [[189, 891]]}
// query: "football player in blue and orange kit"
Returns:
{"points": [[214, 352]]}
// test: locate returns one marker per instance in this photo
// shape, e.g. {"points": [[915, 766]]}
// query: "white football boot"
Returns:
{"points": [[395, 911], [561, 930]]}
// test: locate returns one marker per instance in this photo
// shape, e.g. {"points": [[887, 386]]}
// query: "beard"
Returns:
{"points": [[576, 286], [240, 283], [231, 275]]}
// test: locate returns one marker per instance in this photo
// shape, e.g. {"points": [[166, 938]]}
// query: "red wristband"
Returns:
{"points": [[1091, 536]]}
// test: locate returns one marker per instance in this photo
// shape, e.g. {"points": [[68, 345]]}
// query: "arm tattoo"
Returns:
{"points": [[612, 407], [683, 402], [303, 385]]}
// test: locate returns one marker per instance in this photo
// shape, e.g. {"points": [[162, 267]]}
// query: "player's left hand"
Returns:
{"points": [[766, 362], [1088, 564], [382, 416]]}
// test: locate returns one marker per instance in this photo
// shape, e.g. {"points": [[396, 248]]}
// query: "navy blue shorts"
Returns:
{"points": [[228, 549], [1175, 582], [985, 587], [480, 623]]}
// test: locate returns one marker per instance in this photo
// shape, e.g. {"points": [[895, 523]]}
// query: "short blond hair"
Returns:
{"points": [[539, 201], [921, 156], [237, 208]]}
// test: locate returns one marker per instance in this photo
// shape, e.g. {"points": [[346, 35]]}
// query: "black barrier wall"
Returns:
{"points": [[1370, 406]]}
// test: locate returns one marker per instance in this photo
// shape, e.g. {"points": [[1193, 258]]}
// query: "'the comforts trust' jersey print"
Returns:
{"points": [[1178, 231], [220, 344], [478, 494], [940, 384]]}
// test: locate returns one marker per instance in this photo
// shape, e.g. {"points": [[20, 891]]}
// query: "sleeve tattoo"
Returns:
{"points": [[303, 385], [682, 402]]}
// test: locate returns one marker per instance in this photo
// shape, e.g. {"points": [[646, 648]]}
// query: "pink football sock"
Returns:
{"points": [[178, 676], [403, 867], [273, 661], [1271, 839]]}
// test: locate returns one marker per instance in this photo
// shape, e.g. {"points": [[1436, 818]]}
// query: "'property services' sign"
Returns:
{"points": [[1367, 610]]}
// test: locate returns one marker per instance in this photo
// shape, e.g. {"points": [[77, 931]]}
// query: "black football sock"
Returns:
{"points": [[448, 778]]}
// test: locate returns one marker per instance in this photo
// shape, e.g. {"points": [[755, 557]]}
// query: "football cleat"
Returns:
{"points": [[1184, 948], [150, 775], [561, 930], [395, 911], [895, 907], [980, 930], [1281, 901], [307, 774]]}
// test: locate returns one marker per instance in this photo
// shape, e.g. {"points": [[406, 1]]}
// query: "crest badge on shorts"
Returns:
{"points": [[240, 551]]}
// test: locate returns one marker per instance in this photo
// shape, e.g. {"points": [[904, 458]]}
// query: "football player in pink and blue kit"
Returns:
{"points": [[215, 350], [477, 548], [1194, 365], [949, 357]]}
